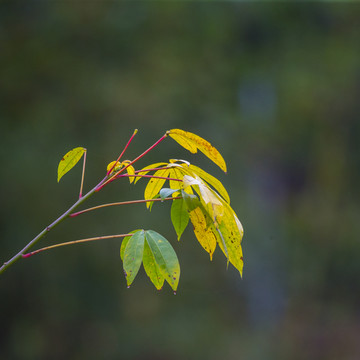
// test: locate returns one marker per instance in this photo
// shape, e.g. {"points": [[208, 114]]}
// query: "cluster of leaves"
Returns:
{"points": [[196, 196]]}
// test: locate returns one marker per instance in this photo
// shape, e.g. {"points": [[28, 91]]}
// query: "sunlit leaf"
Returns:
{"points": [[133, 255], [154, 185], [152, 269], [218, 186], [194, 142], [179, 216], [165, 257], [69, 160]]}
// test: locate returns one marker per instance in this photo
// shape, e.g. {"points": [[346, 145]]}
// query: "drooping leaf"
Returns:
{"points": [[145, 170], [232, 233], [179, 216], [154, 185], [208, 197], [166, 192], [69, 160], [194, 142], [133, 255], [221, 222], [130, 170], [152, 269], [204, 233], [165, 257], [191, 200]]}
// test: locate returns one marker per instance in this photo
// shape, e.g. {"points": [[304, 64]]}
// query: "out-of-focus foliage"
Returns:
{"points": [[274, 86]]}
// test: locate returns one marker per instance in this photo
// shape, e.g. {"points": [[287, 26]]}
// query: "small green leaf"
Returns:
{"points": [[179, 216], [166, 192], [152, 268], [69, 160], [165, 257], [133, 255]]}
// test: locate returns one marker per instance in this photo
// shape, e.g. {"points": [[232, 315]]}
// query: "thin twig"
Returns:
{"points": [[82, 176], [73, 243], [122, 153], [121, 203], [132, 162], [148, 176]]}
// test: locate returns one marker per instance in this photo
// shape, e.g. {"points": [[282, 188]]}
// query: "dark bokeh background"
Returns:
{"points": [[274, 87]]}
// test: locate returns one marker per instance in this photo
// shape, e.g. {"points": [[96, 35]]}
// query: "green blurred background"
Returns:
{"points": [[274, 87]]}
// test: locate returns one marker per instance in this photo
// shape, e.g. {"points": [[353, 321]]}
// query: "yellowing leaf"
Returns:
{"points": [[194, 142], [69, 160], [154, 185], [205, 234], [232, 233]]}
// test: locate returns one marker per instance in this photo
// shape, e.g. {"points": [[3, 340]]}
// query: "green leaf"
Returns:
{"points": [[133, 255], [152, 269], [124, 243], [191, 200], [179, 216], [165, 257], [69, 160], [166, 192]]}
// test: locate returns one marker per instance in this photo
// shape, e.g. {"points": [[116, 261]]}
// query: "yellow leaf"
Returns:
{"points": [[154, 185], [69, 160], [232, 234], [130, 170], [117, 167], [221, 221], [203, 232], [145, 170], [194, 142]]}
